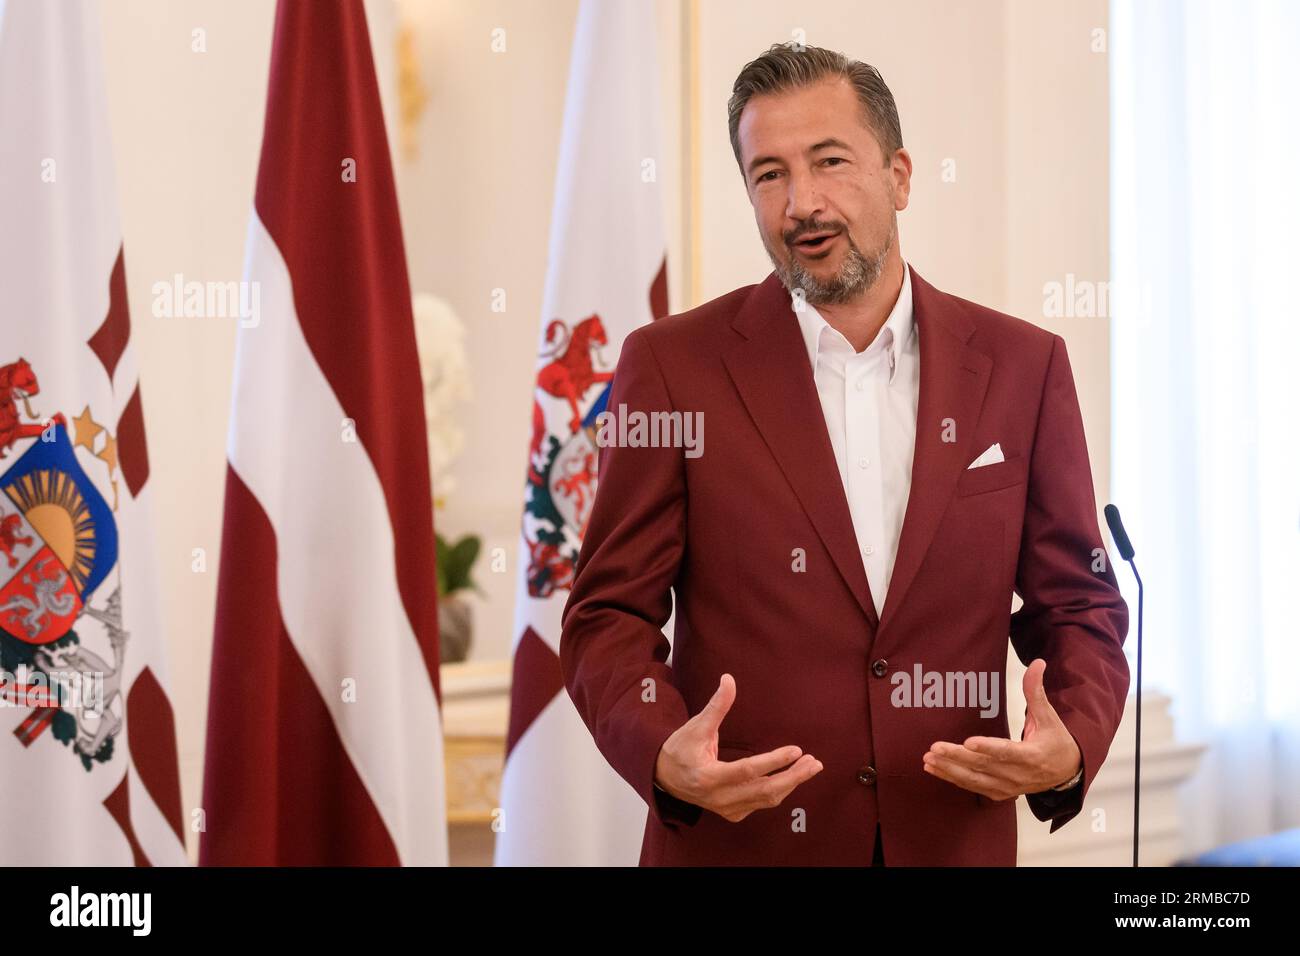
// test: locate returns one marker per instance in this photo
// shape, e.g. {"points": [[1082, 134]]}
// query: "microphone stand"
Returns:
{"points": [[1125, 547], [1137, 746]]}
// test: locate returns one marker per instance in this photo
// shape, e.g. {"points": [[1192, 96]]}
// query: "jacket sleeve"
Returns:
{"points": [[612, 646], [1073, 615]]}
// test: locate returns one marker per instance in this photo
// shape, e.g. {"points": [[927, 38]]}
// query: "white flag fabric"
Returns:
{"points": [[88, 768], [562, 803]]}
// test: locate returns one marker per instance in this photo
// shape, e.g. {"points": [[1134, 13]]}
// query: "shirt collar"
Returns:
{"points": [[893, 335]]}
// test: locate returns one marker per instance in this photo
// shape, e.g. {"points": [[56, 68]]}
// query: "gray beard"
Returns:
{"points": [[857, 273]]}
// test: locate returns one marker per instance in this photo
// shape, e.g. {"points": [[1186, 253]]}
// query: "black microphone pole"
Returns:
{"points": [[1126, 552]]}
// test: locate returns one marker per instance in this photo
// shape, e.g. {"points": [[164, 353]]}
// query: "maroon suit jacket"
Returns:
{"points": [[811, 660]]}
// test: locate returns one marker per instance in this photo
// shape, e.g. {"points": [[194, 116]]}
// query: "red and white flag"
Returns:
{"points": [[88, 768], [562, 803], [324, 738]]}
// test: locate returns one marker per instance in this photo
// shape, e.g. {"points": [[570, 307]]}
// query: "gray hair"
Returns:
{"points": [[789, 66]]}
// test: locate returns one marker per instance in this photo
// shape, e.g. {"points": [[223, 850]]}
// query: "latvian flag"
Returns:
{"points": [[324, 731], [563, 805], [88, 769]]}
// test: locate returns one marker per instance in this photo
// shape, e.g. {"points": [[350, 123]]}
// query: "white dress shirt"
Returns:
{"points": [[869, 402]]}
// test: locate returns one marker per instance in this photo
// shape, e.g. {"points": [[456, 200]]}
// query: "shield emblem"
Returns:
{"points": [[58, 540], [572, 478]]}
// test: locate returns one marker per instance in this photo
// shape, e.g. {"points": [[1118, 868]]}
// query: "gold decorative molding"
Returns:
{"points": [[412, 95], [475, 710], [691, 94]]}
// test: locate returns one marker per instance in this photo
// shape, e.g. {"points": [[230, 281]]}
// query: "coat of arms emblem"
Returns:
{"points": [[58, 543], [563, 453]]}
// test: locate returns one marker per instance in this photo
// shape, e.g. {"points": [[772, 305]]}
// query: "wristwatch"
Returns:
{"points": [[1072, 782]]}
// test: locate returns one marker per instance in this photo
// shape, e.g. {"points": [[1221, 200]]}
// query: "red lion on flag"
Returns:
{"points": [[18, 383]]}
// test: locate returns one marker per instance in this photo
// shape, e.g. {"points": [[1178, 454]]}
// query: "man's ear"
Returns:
{"points": [[900, 168]]}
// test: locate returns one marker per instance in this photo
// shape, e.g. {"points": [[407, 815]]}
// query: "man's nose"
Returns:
{"points": [[803, 199]]}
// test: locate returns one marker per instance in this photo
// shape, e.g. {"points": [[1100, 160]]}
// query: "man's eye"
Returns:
{"points": [[833, 159], [770, 172]]}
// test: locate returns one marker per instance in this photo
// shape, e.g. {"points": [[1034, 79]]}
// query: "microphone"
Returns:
{"points": [[1125, 547], [1117, 532]]}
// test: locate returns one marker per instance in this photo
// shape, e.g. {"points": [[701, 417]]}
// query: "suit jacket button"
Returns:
{"points": [[867, 776], [879, 667]]}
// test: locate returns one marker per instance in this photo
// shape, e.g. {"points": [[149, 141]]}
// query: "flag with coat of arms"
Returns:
{"points": [[561, 802], [88, 764]]}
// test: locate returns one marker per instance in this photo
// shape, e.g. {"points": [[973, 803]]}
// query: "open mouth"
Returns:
{"points": [[816, 243]]}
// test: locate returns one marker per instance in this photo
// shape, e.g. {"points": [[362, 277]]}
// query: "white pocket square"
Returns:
{"points": [[990, 456]]}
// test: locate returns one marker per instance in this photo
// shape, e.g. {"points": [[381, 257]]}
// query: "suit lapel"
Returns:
{"points": [[954, 378], [770, 369]]}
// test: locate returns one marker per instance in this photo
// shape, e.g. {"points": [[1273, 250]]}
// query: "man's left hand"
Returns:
{"points": [[1046, 756]]}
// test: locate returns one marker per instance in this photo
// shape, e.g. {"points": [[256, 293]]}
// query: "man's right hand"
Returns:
{"points": [[688, 766]]}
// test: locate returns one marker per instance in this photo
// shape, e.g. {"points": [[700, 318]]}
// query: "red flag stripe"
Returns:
{"points": [[536, 681], [118, 805], [360, 332], [305, 804], [132, 450], [153, 753], [659, 292], [113, 336]]}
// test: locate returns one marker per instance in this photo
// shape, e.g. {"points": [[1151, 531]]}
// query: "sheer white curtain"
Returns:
{"points": [[1205, 249]]}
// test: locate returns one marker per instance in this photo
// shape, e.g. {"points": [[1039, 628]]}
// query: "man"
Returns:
{"points": [[885, 463]]}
